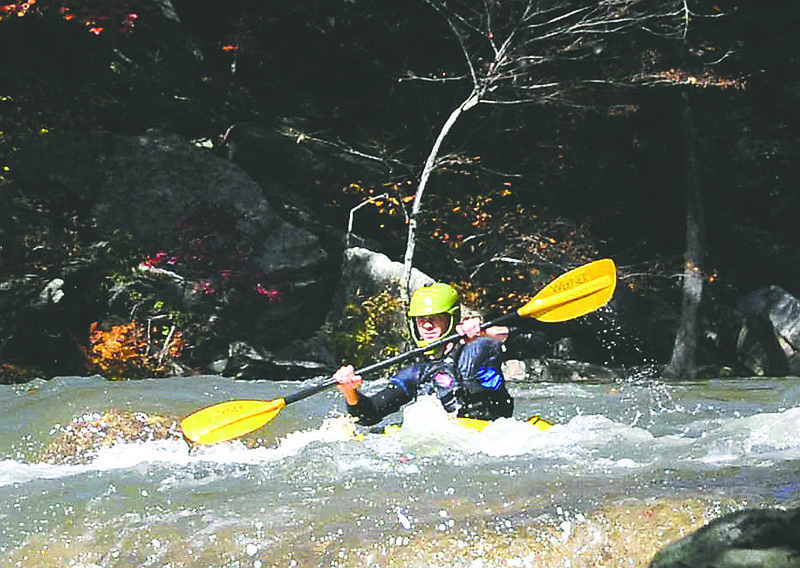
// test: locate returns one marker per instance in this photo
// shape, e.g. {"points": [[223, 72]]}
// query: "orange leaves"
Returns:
{"points": [[127, 352], [18, 9], [111, 348], [459, 218], [707, 79], [96, 18], [392, 202]]}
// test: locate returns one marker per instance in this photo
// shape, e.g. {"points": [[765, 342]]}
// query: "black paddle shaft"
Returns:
{"points": [[305, 393]]}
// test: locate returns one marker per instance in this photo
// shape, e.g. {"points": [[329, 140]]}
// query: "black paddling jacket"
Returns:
{"points": [[468, 381]]}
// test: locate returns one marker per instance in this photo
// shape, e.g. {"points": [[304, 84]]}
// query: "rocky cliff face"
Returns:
{"points": [[170, 235]]}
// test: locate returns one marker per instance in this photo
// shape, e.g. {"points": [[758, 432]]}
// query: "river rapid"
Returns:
{"points": [[629, 467]]}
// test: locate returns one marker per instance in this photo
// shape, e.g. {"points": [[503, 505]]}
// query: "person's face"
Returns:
{"points": [[432, 327]]}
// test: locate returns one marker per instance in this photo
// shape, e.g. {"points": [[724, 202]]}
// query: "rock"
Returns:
{"points": [[561, 371], [294, 168], [248, 362], [758, 350], [213, 246], [152, 183], [782, 309], [769, 337], [369, 285], [52, 292], [366, 273], [80, 440], [41, 317], [369, 272], [527, 344], [514, 370], [752, 538]]}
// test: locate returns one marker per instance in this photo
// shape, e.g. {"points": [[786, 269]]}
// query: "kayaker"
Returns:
{"points": [[465, 375]]}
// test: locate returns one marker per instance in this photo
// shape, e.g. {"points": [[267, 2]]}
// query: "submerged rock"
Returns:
{"points": [[82, 438]]}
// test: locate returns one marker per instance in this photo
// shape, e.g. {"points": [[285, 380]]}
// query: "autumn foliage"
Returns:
{"points": [[128, 351], [95, 15]]}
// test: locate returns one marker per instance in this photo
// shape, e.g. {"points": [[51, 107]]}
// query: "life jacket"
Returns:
{"points": [[467, 381], [442, 378]]}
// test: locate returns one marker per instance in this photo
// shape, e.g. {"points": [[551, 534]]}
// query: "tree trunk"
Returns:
{"points": [[683, 363], [430, 165]]}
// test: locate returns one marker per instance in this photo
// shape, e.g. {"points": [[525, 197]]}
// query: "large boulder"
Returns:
{"points": [[769, 337], [366, 273], [201, 240]]}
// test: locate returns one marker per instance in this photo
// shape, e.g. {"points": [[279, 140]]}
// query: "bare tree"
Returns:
{"points": [[538, 51], [683, 361], [682, 364]]}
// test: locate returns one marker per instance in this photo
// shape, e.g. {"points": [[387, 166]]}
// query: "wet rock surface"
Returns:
{"points": [[80, 440], [763, 538]]}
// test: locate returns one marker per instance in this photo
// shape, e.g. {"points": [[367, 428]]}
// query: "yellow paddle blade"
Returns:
{"points": [[576, 293], [228, 420], [540, 423]]}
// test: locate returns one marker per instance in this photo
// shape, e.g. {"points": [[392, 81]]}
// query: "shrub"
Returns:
{"points": [[129, 351], [372, 330], [12, 374]]}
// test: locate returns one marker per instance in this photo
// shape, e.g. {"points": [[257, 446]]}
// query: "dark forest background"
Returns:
{"points": [[594, 168]]}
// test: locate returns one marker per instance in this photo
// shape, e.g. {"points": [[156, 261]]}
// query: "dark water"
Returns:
{"points": [[629, 467]]}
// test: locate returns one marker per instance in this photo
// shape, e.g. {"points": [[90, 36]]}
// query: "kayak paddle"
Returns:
{"points": [[573, 294]]}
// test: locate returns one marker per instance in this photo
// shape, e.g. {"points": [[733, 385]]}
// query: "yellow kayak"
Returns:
{"points": [[477, 425]]}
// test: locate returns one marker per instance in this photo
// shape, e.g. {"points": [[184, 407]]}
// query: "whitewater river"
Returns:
{"points": [[629, 467]]}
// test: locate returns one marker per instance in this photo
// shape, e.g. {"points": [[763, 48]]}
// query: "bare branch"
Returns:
{"points": [[451, 21], [432, 79], [353, 212], [516, 53]]}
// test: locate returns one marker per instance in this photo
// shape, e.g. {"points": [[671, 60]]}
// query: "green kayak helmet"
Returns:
{"points": [[432, 300]]}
